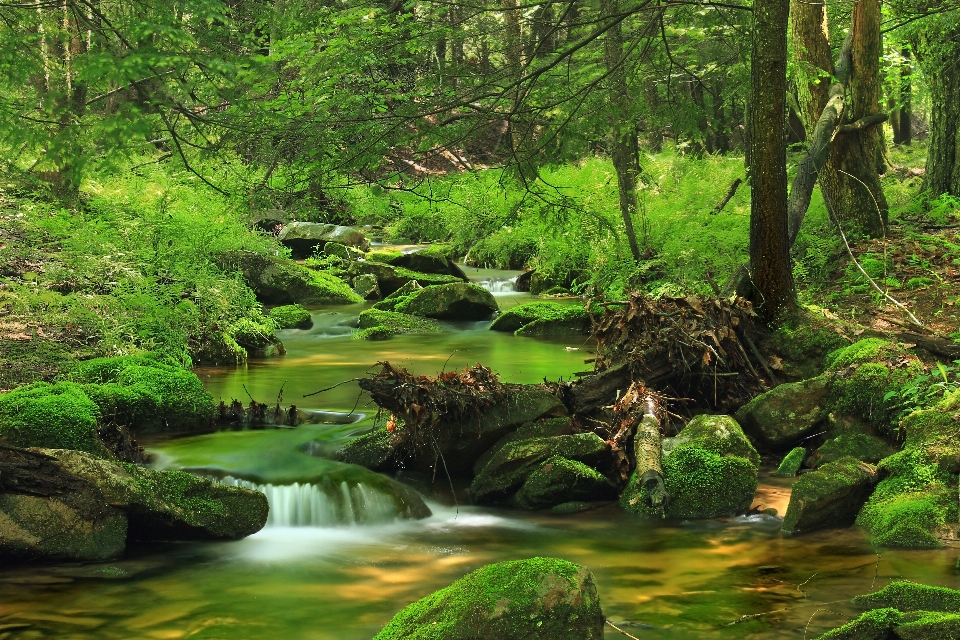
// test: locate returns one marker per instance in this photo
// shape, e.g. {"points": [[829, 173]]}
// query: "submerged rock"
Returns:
{"points": [[520, 599], [559, 481], [783, 415], [509, 468], [291, 316], [59, 504], [831, 496], [543, 319], [278, 281], [791, 462], [303, 237], [457, 301]]}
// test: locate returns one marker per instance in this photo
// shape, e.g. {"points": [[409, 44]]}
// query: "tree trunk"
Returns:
{"points": [[938, 53], [894, 119], [851, 183], [906, 125], [624, 152], [810, 35], [769, 246]]}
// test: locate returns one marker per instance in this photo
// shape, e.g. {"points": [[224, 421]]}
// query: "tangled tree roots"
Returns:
{"points": [[426, 409], [696, 344]]}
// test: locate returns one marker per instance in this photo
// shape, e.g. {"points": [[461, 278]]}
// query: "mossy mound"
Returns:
{"points": [[857, 445], [782, 416], [457, 301], [534, 598], [378, 325], [291, 316], [718, 434], [831, 496], [911, 596], [560, 481], [911, 507], [54, 416], [279, 281], [145, 394], [545, 428], [791, 462], [371, 450], [804, 340], [872, 625], [256, 337], [392, 278], [543, 319], [929, 624]]}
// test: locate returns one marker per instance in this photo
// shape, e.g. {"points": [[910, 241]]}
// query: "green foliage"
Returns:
{"points": [[518, 317], [53, 416], [791, 462], [291, 316], [376, 324], [872, 625], [911, 596]]}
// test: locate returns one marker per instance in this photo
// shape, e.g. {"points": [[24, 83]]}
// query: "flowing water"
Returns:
{"points": [[335, 563]]}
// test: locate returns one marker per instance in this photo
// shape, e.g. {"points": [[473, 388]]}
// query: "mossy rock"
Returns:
{"points": [[510, 466], [861, 352], [304, 238], [559, 480], [391, 279], [543, 319], [55, 416], [790, 465], [857, 445], [872, 625], [458, 301], [912, 506], [925, 625], [534, 598], [911, 596], [256, 336], [785, 414], [366, 286], [376, 324], [719, 434], [291, 316], [279, 281], [831, 496], [803, 341], [544, 428], [170, 505], [372, 450], [700, 483], [434, 260], [337, 250], [146, 395]]}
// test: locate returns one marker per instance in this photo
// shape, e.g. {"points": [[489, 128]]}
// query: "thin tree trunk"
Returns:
{"points": [[906, 126], [769, 246]]}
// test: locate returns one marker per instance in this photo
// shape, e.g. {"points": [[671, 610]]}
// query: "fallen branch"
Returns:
{"points": [[863, 123], [730, 193]]}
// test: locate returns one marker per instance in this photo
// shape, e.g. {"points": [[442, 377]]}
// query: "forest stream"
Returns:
{"points": [[334, 563]]}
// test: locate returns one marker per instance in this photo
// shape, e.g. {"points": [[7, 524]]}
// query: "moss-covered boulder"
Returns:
{"points": [[256, 337], [509, 468], [785, 414], [544, 428], [391, 279], [374, 450], [47, 415], [543, 319], [559, 480], [925, 625], [433, 259], [366, 286], [831, 496], [291, 316], [303, 238], [872, 625], [856, 445], [911, 596], [337, 250], [790, 465], [710, 471], [534, 598], [375, 324], [279, 281], [457, 301], [144, 394]]}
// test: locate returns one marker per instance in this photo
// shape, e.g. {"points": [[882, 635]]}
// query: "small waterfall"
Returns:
{"points": [[497, 285], [323, 504]]}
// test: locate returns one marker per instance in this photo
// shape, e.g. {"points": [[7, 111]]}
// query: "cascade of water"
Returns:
{"points": [[323, 504], [497, 285]]}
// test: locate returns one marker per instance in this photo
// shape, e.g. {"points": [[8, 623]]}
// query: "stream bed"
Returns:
{"points": [[333, 563]]}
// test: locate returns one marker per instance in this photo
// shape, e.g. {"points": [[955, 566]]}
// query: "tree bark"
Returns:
{"points": [[938, 51], [851, 182], [769, 246], [905, 119], [810, 35]]}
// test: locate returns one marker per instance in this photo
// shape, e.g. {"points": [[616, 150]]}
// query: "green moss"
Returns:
{"points": [[831, 496], [256, 335], [871, 389], [909, 507], [425, 279], [383, 255], [100, 370], [545, 428], [291, 316], [534, 598], [804, 340], [872, 625], [377, 325], [911, 596], [718, 434], [790, 464], [560, 480], [455, 301], [329, 287], [857, 445], [546, 312], [54, 416], [929, 624], [866, 350]]}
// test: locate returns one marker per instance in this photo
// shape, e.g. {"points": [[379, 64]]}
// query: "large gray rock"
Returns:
{"points": [[785, 414], [303, 237], [509, 468], [58, 504], [831, 496], [278, 281], [456, 301], [515, 600]]}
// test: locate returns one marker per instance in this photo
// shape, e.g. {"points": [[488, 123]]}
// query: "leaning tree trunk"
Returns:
{"points": [[624, 152], [811, 45], [938, 52], [851, 184], [769, 243]]}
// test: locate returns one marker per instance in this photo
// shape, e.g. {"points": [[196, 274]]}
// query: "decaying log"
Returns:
{"points": [[730, 193], [592, 392], [647, 450], [939, 346]]}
